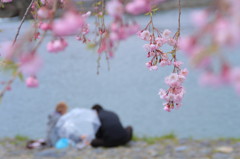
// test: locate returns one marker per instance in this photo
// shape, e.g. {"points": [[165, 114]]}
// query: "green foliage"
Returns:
{"points": [[233, 140], [21, 138], [98, 3], [17, 140], [1, 5], [7, 65], [80, 3], [153, 140], [153, 11], [10, 66], [20, 76], [91, 45]]}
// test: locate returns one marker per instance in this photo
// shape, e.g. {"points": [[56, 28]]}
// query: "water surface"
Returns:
{"points": [[128, 89]]}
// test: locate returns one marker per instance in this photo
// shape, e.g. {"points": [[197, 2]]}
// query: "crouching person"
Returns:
{"points": [[52, 131], [111, 132]]}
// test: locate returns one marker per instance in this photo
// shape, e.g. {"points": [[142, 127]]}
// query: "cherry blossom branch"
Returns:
{"points": [[50, 22], [179, 18], [22, 21], [177, 35], [8, 84]]}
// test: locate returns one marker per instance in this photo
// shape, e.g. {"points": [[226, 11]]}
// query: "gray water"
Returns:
{"points": [[128, 89]]}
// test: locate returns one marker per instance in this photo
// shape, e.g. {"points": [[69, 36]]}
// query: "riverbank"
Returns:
{"points": [[167, 147], [18, 8]]}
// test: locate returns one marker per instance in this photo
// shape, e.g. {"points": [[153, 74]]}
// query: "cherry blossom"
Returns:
{"points": [[30, 63], [115, 8], [57, 45], [69, 24], [32, 82], [6, 1]]}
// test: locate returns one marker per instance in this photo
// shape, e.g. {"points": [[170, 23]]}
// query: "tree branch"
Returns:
{"points": [[22, 21]]}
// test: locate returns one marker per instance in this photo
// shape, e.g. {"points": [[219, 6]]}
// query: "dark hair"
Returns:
{"points": [[97, 107]]}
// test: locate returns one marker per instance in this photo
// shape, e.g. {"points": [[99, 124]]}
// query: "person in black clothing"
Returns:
{"points": [[111, 132]]}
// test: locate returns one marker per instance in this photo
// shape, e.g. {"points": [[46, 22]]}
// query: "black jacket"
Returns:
{"points": [[111, 130]]}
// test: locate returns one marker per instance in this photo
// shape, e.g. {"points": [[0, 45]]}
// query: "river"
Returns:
{"points": [[128, 88]]}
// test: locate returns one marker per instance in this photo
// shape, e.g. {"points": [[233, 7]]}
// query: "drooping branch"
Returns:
{"points": [[22, 21], [179, 19], [8, 84], [177, 35], [54, 9]]}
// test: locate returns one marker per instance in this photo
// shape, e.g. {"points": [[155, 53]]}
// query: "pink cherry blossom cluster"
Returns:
{"points": [[117, 31], [158, 58], [23, 60], [57, 45], [174, 95], [227, 75], [218, 29], [23, 54], [153, 48], [72, 23]]}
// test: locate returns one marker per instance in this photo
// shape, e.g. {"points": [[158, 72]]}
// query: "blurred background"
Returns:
{"points": [[128, 88]]}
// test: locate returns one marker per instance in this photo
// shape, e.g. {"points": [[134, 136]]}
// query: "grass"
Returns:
{"points": [[21, 138], [233, 140], [153, 140], [17, 140]]}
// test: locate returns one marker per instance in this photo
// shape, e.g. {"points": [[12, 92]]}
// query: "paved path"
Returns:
{"points": [[164, 149]]}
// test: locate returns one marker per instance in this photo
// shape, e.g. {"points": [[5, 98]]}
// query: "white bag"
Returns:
{"points": [[77, 123]]}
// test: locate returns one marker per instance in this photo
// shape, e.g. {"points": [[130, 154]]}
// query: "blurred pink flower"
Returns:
{"points": [[209, 78], [187, 44], [43, 1], [172, 80], [171, 42], [45, 26], [32, 82], [115, 8], [30, 64], [145, 35], [184, 72], [178, 64], [199, 18], [166, 33], [167, 107], [57, 45], [137, 7], [6, 1], [133, 29], [160, 41], [165, 62], [43, 13], [141, 6], [162, 93], [153, 68], [70, 24], [6, 50], [235, 78]]}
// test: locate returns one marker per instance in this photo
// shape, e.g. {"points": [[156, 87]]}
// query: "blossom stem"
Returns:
{"points": [[22, 21], [45, 32], [8, 84]]}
